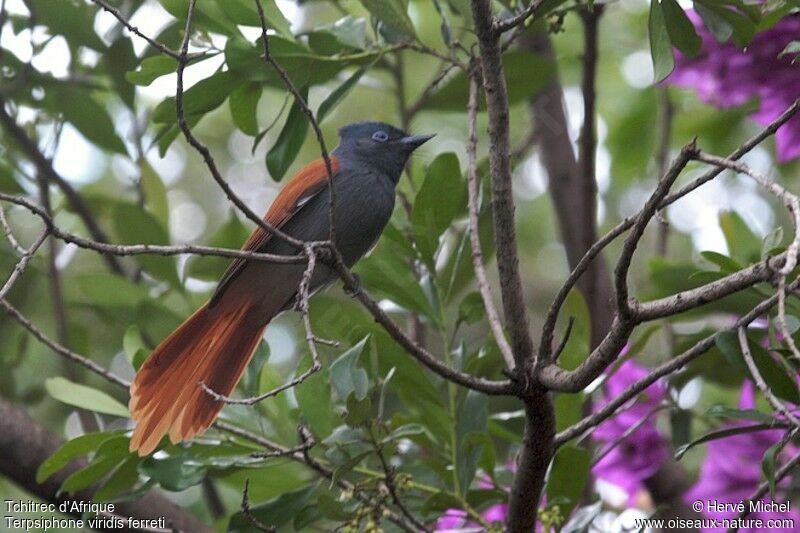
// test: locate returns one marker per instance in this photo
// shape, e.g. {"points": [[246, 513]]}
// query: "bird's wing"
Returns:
{"points": [[307, 183]]}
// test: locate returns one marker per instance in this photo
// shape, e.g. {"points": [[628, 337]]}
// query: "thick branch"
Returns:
{"points": [[474, 235], [665, 369], [25, 445], [494, 85], [496, 388], [585, 262]]}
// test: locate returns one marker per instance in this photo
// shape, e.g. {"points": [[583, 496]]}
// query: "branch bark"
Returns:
{"points": [[25, 445], [537, 448]]}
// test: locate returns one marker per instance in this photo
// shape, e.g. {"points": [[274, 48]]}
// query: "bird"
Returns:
{"points": [[216, 343]]}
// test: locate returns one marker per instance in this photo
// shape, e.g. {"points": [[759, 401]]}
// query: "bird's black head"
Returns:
{"points": [[378, 145]]}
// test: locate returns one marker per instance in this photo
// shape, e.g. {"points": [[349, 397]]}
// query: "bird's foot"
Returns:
{"points": [[352, 293]]}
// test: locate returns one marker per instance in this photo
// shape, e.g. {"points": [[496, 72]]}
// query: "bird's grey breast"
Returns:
{"points": [[365, 201]]}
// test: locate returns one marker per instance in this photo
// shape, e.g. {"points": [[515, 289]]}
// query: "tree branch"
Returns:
{"points": [[494, 85], [492, 315], [47, 172], [25, 445], [665, 369]]}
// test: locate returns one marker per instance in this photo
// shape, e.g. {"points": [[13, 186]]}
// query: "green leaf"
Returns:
{"points": [[132, 341], [358, 411], [8, 183], [338, 94], [791, 49], [243, 103], [471, 308], [725, 263], [721, 434], [518, 66], [774, 374], [392, 13], [155, 193], [717, 25], [349, 31], [202, 97], [276, 512], [722, 411], [568, 476], [404, 431], [387, 272], [660, 44], [232, 235], [111, 453], [103, 289], [133, 225], [347, 377], [472, 418], [441, 198], [244, 12], [569, 410], [124, 477], [633, 126], [118, 59], [73, 20], [84, 397], [68, 451], [152, 68], [769, 465], [742, 27], [743, 244], [579, 339], [772, 243], [680, 28], [314, 399], [291, 138], [175, 473], [89, 117], [304, 67]]}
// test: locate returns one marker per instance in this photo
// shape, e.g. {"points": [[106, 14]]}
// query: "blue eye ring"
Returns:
{"points": [[380, 136]]}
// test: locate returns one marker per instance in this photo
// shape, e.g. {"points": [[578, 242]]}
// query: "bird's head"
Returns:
{"points": [[378, 145]]}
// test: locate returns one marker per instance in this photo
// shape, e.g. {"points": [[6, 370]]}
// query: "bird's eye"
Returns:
{"points": [[380, 136]]}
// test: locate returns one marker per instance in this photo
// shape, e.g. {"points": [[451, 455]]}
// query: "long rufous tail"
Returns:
{"points": [[213, 346]]}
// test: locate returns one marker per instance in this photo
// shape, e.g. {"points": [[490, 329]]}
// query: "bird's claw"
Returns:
{"points": [[352, 293]]}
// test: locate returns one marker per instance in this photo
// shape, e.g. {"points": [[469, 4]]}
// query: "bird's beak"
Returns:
{"points": [[415, 141]]}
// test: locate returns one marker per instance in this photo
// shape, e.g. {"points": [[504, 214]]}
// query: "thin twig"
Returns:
{"points": [[203, 149], [627, 433], [59, 349], [673, 365], [7, 231], [763, 488], [389, 475], [302, 304], [759, 380], [474, 235], [248, 512], [792, 203], [488, 386], [503, 25], [145, 249], [301, 102], [133, 29], [585, 262], [19, 268], [645, 215], [45, 169]]}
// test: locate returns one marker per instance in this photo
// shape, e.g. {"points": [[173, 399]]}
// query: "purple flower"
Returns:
{"points": [[726, 76], [638, 455], [732, 469]]}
